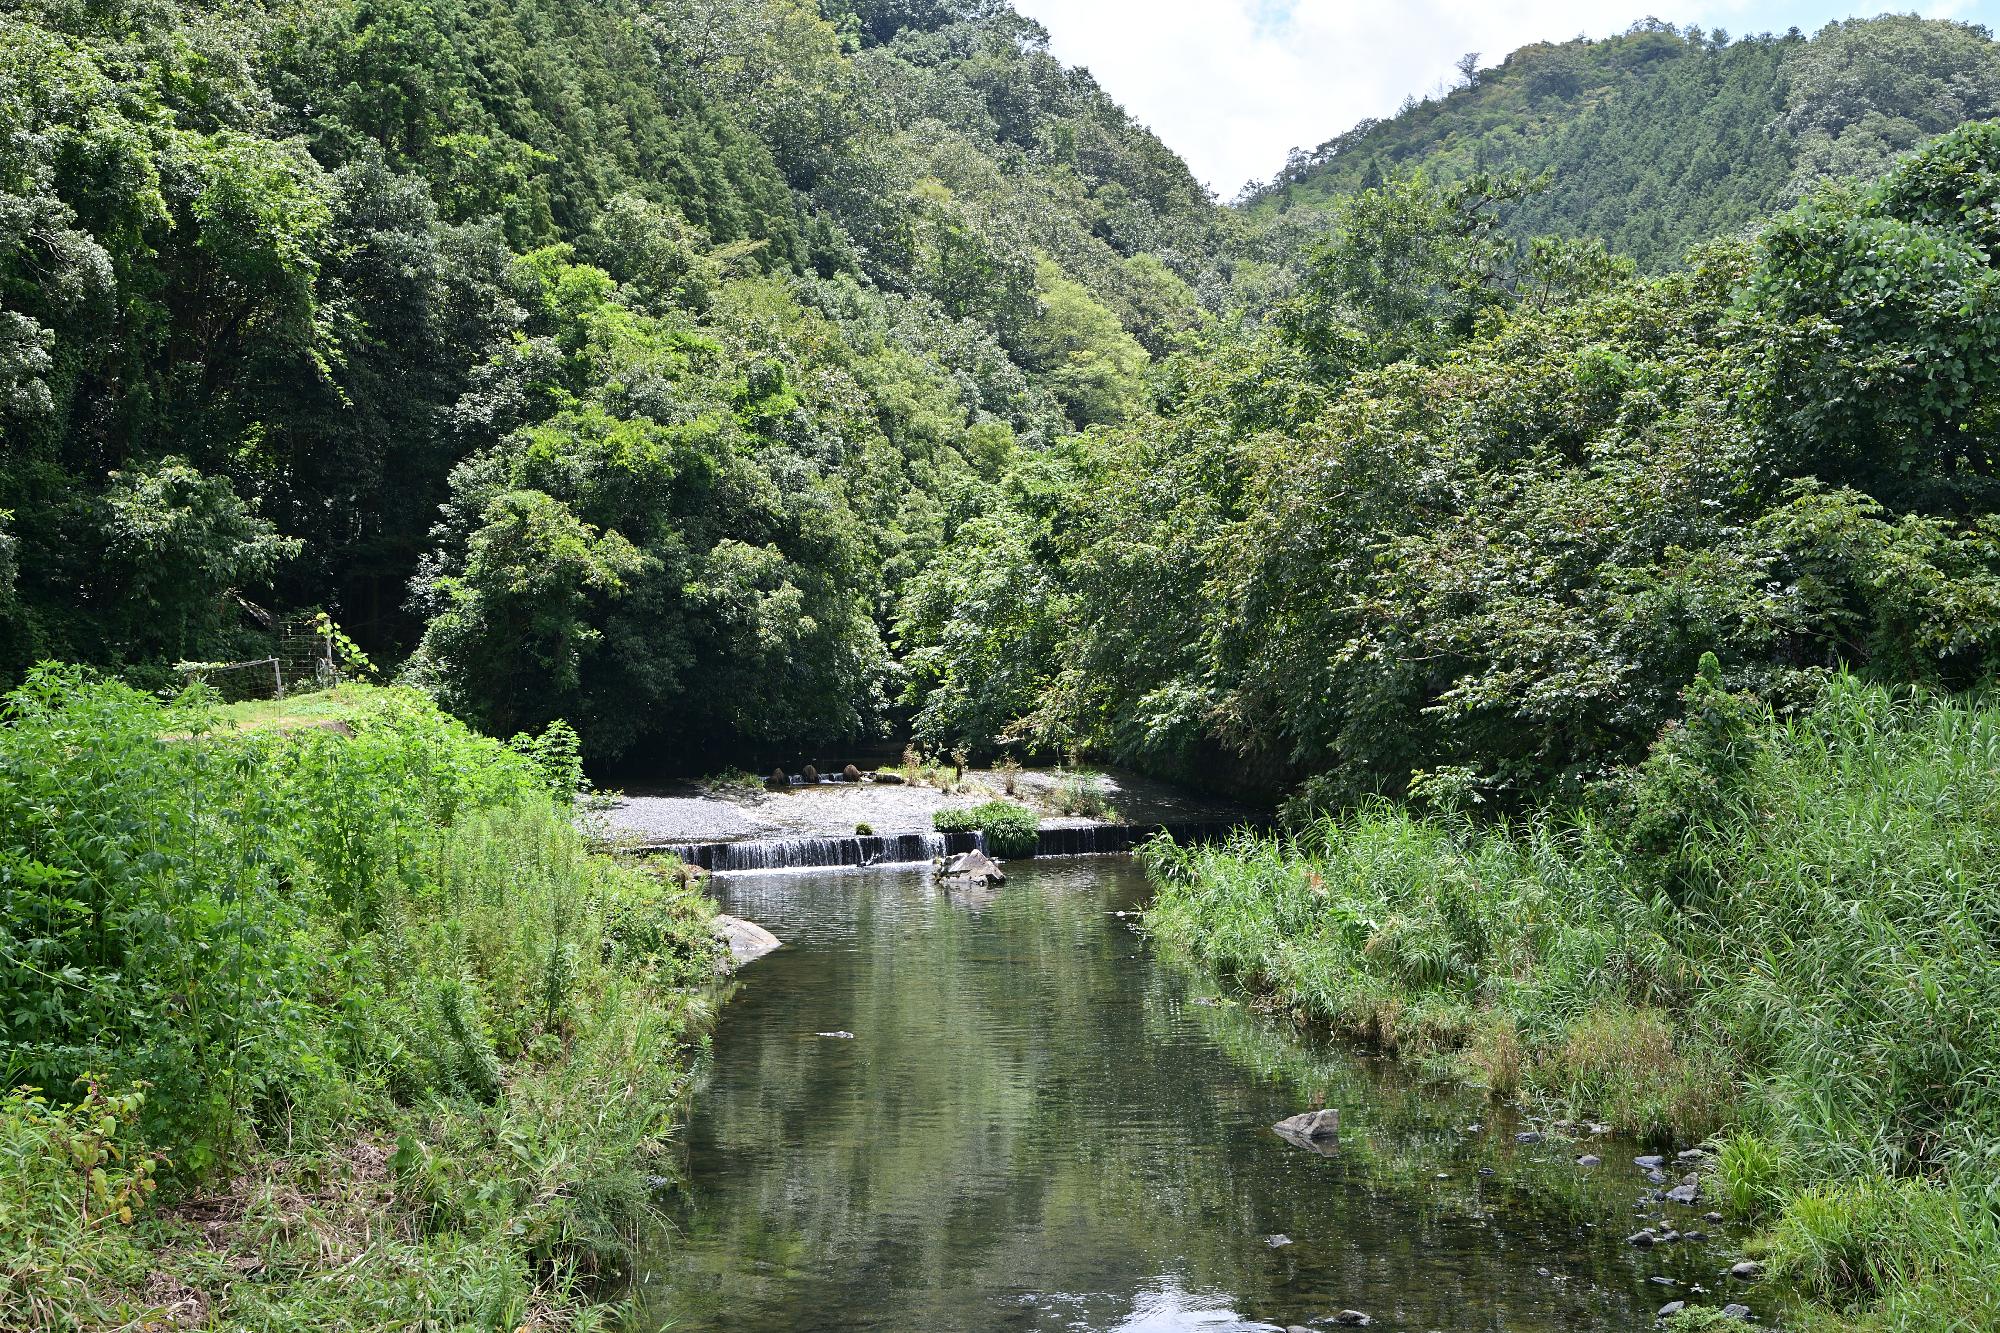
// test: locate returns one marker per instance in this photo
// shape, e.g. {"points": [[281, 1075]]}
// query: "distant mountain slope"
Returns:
{"points": [[1661, 137]]}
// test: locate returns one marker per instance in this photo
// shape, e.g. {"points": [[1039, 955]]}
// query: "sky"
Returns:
{"points": [[1234, 85]]}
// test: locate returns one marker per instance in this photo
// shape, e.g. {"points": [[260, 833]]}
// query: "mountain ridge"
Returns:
{"points": [[1660, 137]]}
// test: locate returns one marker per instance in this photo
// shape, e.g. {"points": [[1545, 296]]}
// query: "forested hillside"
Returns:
{"points": [[1662, 137], [1459, 519], [725, 372], [705, 321]]}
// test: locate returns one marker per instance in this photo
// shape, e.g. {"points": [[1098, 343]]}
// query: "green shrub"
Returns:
{"points": [[72, 1181], [1011, 830], [292, 936], [1077, 794]]}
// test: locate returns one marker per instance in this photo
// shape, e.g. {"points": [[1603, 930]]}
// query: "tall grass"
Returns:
{"points": [[1808, 959], [356, 982]]}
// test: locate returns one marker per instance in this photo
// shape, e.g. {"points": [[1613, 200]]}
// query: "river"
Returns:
{"points": [[1039, 1125]]}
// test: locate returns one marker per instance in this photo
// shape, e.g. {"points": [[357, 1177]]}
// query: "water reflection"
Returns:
{"points": [[1039, 1127]]}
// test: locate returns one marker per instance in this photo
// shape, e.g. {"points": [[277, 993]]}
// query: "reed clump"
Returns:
{"points": [[1781, 936]]}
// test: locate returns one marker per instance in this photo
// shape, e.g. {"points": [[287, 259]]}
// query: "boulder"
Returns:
{"points": [[1733, 1311], [1352, 1319], [1747, 1271], [1672, 1308], [777, 779], [851, 773], [1686, 1192], [1528, 1136], [747, 940], [811, 774], [1279, 1241], [1315, 1131], [974, 865], [888, 779], [1645, 1240], [1590, 1159]]}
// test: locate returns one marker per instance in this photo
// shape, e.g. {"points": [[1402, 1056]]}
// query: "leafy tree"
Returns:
{"points": [[1093, 365], [1407, 272], [1885, 352]]}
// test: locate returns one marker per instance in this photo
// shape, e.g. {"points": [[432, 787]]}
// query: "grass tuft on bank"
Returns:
{"points": [[321, 1027], [1779, 937]]}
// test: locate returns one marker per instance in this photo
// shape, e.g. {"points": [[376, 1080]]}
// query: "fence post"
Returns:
{"points": [[278, 674]]}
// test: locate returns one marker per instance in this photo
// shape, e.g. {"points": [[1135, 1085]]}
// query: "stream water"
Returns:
{"points": [[1038, 1125]]}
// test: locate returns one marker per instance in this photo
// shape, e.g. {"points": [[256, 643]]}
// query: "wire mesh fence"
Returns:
{"points": [[301, 660]]}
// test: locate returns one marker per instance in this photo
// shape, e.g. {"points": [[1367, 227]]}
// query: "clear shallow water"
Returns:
{"points": [[1039, 1126]]}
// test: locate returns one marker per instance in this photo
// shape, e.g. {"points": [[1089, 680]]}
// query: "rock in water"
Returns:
{"points": [[1352, 1319], [1279, 1241], [1747, 1271], [974, 865], [1672, 1308], [1317, 1131], [1736, 1312], [1686, 1191], [747, 940]]}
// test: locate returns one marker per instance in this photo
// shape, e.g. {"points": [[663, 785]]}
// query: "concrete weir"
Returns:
{"points": [[810, 853]]}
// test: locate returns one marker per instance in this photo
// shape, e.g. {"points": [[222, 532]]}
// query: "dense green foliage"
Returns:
{"points": [[1808, 962], [1490, 565], [716, 373], [708, 374], [1660, 138], [1011, 830], [706, 324], [329, 941]]}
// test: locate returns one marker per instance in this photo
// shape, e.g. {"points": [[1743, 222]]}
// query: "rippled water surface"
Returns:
{"points": [[1039, 1126]]}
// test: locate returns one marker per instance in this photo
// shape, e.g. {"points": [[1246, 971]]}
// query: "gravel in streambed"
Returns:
{"points": [[694, 813]]}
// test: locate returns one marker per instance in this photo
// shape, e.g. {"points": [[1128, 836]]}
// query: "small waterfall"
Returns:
{"points": [[1116, 839], [920, 847], [816, 853]]}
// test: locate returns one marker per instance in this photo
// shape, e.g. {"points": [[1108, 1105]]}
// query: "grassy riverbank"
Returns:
{"points": [[334, 1026], [1785, 936]]}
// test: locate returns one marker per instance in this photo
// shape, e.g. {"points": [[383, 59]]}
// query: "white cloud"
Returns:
{"points": [[1234, 84]]}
